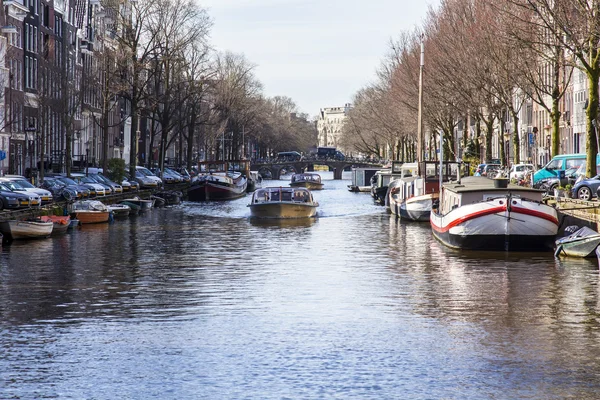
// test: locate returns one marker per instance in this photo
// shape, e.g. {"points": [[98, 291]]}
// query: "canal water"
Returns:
{"points": [[200, 302]]}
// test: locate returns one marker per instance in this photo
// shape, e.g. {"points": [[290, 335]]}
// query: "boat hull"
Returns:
{"points": [[308, 185], [16, 230], [417, 208], [582, 247], [283, 210], [60, 223], [209, 191], [491, 225], [91, 216]]}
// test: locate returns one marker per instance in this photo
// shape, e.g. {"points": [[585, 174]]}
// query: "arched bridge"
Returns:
{"points": [[275, 168]]}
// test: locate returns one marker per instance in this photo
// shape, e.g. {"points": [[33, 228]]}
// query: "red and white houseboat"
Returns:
{"points": [[485, 214]]}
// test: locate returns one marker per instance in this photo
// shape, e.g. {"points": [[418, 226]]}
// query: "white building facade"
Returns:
{"points": [[330, 123]]}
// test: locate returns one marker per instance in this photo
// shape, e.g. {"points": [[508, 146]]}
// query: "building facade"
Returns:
{"points": [[329, 125]]}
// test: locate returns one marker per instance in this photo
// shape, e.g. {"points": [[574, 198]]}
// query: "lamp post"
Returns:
{"points": [[29, 147]]}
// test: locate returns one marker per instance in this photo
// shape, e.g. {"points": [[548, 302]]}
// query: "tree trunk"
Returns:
{"points": [[516, 140], [591, 113], [555, 118], [489, 125], [502, 145]]}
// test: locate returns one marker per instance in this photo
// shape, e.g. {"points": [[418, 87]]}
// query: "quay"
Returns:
{"points": [[6, 215], [576, 212]]}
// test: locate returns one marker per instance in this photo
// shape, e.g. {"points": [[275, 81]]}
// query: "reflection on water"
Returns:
{"points": [[353, 304]]}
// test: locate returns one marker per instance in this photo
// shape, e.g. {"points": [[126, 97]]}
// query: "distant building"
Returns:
{"points": [[329, 125]]}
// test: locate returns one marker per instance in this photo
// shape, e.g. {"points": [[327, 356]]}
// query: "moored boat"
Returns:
{"points": [[119, 210], [283, 202], [218, 186], [476, 213], [61, 223], [90, 212], [143, 204], [361, 179], [307, 180], [581, 242], [25, 229]]}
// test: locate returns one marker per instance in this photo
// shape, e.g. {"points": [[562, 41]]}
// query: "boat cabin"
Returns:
{"points": [[474, 189], [282, 194], [306, 177]]}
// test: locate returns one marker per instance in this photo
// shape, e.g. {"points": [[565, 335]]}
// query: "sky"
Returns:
{"points": [[317, 52]]}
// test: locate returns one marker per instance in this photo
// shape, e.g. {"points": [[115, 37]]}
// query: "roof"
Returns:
{"points": [[479, 183]]}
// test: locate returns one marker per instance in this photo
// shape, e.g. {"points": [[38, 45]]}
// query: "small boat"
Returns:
{"points": [[283, 202], [119, 210], [134, 209], [144, 205], [361, 179], [25, 229], [307, 180], [61, 223], [90, 212], [478, 213], [581, 242], [380, 184], [254, 181], [170, 197]]}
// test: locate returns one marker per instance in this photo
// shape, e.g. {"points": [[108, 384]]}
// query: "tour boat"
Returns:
{"points": [[283, 202], [60, 223], [25, 229], [487, 214], [218, 186], [90, 212], [307, 180]]}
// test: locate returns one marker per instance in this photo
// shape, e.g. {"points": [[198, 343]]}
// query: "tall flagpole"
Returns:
{"points": [[420, 141]]}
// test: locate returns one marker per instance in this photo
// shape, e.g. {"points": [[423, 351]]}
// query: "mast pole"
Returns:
{"points": [[420, 144]]}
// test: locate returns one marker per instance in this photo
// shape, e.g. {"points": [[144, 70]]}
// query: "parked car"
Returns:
{"points": [[60, 189], [548, 184], [586, 189], [490, 170], [115, 187], [518, 171], [96, 189], [559, 163], [83, 188], [13, 199], [479, 170], [146, 178], [21, 184]]}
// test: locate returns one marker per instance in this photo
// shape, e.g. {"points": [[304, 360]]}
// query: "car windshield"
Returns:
{"points": [[145, 171], [86, 179], [68, 181], [25, 184], [4, 187], [12, 185]]}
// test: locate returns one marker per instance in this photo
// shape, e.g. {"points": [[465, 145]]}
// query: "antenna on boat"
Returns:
{"points": [[441, 161], [420, 146]]}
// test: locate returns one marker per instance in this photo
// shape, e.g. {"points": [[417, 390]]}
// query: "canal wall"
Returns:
{"points": [[576, 212]]}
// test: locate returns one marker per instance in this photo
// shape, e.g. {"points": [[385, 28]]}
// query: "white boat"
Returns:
{"points": [[411, 196], [478, 213], [25, 229], [283, 202], [119, 210], [407, 200], [307, 180], [361, 179]]}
